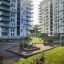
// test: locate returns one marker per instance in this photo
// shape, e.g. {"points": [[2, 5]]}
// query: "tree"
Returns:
{"points": [[35, 30]]}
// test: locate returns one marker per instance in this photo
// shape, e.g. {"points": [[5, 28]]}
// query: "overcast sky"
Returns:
{"points": [[36, 2]]}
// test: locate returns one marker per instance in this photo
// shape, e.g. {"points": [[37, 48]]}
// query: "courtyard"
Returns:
{"points": [[13, 53]]}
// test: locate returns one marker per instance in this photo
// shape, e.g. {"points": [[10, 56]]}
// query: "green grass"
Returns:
{"points": [[36, 40], [33, 40], [30, 59], [54, 56]]}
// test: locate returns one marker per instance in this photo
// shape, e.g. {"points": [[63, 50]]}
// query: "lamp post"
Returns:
{"points": [[60, 39], [23, 41]]}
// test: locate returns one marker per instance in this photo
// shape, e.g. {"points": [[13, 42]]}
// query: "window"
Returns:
{"points": [[11, 30], [12, 23], [14, 1], [22, 8], [12, 19], [21, 30], [11, 34], [13, 15]]}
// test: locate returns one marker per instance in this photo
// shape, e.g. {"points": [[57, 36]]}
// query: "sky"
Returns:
{"points": [[36, 3]]}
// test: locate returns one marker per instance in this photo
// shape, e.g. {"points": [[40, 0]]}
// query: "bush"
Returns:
{"points": [[49, 40]]}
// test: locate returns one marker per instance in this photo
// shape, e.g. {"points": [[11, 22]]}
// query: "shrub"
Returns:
{"points": [[49, 40]]}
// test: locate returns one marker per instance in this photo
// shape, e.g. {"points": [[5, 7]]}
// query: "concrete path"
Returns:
{"points": [[8, 57], [45, 47]]}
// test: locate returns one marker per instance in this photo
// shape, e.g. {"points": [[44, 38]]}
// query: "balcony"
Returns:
{"points": [[5, 3], [7, 37], [29, 20], [27, 24], [13, 11], [30, 4], [40, 21], [6, 0], [5, 19], [28, 29], [4, 14], [4, 8], [29, 12], [5, 31], [29, 8], [29, 16], [4, 25], [9, 0]]}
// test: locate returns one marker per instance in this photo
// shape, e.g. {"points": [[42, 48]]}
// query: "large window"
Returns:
{"points": [[14, 1]]}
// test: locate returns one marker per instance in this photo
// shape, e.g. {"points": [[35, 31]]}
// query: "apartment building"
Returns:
{"points": [[15, 18], [26, 16], [51, 17], [58, 18], [46, 17]]}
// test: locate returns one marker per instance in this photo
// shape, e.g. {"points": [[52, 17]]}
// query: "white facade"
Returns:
{"points": [[15, 18], [58, 16], [51, 17], [46, 17], [26, 16]]}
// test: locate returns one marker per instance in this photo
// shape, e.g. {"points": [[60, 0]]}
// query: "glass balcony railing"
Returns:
{"points": [[5, 31], [4, 8], [31, 5], [29, 20], [27, 24], [29, 12], [4, 25], [4, 14], [4, 2], [29, 16], [29, 8], [5, 19]]}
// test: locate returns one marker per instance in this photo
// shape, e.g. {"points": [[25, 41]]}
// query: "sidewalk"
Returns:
{"points": [[45, 47]]}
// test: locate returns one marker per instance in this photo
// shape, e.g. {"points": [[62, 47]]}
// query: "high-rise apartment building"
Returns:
{"points": [[46, 17], [15, 18], [58, 10], [51, 17]]}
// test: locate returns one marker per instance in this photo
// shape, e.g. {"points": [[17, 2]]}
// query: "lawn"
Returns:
{"points": [[54, 56], [35, 40]]}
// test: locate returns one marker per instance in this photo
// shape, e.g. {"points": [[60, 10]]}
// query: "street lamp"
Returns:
{"points": [[23, 41], [60, 39]]}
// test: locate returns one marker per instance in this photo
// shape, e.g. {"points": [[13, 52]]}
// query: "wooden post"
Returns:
{"points": [[1, 59]]}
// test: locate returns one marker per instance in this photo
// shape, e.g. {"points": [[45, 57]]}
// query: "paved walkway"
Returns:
{"points": [[45, 47], [9, 57]]}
